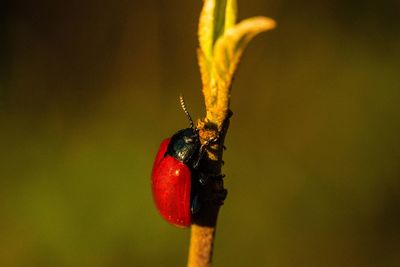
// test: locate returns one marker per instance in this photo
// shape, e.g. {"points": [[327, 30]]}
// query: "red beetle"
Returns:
{"points": [[172, 177]]}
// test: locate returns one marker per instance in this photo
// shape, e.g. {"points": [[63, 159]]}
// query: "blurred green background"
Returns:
{"points": [[88, 89]]}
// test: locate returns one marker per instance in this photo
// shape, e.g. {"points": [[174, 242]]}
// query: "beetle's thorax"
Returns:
{"points": [[184, 146]]}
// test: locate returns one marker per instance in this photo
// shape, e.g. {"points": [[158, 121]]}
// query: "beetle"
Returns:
{"points": [[174, 178]]}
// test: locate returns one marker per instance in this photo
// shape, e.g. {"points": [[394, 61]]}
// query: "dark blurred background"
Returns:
{"points": [[88, 89]]}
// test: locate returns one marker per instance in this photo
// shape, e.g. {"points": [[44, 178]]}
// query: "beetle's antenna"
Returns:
{"points": [[186, 111]]}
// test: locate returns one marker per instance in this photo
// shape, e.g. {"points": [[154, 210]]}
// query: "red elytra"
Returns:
{"points": [[171, 185]]}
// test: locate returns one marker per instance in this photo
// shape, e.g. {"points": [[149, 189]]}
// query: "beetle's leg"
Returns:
{"points": [[196, 163], [219, 176], [203, 178], [220, 196], [195, 205], [203, 148]]}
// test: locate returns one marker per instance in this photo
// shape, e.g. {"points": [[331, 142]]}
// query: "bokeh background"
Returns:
{"points": [[88, 89]]}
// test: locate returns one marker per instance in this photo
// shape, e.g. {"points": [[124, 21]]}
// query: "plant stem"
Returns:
{"points": [[213, 193], [201, 246], [222, 43]]}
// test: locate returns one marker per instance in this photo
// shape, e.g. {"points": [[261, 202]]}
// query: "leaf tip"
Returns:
{"points": [[260, 24]]}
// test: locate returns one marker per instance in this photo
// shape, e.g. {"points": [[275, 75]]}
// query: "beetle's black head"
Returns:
{"points": [[184, 146]]}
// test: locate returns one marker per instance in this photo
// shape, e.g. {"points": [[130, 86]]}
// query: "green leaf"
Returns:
{"points": [[222, 44], [216, 17], [206, 28], [230, 14], [230, 47], [219, 19]]}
